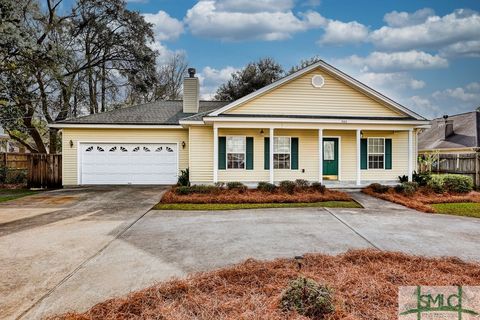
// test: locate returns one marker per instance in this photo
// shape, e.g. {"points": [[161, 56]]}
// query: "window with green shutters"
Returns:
{"points": [[285, 153], [376, 153], [235, 152]]}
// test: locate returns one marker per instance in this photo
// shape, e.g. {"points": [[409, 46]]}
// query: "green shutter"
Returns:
{"points": [[363, 154], [266, 153], [222, 153], [388, 153], [294, 153], [249, 160]]}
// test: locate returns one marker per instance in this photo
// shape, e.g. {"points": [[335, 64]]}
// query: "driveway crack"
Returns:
{"points": [[353, 229]]}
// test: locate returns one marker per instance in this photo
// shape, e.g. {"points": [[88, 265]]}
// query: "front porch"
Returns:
{"points": [[351, 157]]}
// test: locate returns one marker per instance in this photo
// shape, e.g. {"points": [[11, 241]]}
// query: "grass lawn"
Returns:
{"points": [[11, 194], [467, 209], [236, 206]]}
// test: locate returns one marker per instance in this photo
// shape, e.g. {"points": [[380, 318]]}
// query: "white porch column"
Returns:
{"points": [[320, 155], [410, 154], [271, 156], [215, 154], [359, 174]]}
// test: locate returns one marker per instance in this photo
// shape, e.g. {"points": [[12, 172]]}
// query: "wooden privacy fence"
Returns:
{"points": [[465, 164], [43, 170]]}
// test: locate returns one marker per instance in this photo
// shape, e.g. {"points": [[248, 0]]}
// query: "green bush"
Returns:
{"points": [[3, 174], [266, 187], [220, 185], [436, 184], [287, 186], [317, 186], [302, 183], [13, 176], [308, 298], [202, 189], [407, 188], [457, 183], [403, 178], [184, 178], [236, 186], [421, 178], [379, 188]]}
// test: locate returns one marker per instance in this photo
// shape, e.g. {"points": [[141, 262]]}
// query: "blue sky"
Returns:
{"points": [[424, 54]]}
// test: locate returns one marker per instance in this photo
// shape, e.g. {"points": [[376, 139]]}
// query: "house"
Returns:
{"points": [[8, 145], [455, 134], [279, 132]]}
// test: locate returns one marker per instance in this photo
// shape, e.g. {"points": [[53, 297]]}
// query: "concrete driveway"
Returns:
{"points": [[165, 244], [46, 237]]}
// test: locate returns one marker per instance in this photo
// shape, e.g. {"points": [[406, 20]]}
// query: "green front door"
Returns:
{"points": [[330, 156]]}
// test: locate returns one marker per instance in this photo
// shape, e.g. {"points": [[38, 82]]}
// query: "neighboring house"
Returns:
{"points": [[455, 134], [279, 132], [7, 144]]}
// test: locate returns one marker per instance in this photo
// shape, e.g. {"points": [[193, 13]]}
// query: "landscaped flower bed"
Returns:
{"points": [[364, 286], [288, 192], [427, 190]]}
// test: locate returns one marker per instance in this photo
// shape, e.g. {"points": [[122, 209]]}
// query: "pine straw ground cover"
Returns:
{"points": [[423, 198], [364, 282], [256, 196]]}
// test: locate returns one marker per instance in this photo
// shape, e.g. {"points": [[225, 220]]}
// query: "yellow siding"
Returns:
{"points": [[201, 154], [299, 97], [69, 154]]}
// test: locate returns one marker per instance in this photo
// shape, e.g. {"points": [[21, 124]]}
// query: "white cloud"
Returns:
{"points": [[338, 32], [474, 86], [424, 106], [403, 19], [468, 94], [435, 32], [250, 6], [211, 78], [394, 61], [465, 49], [164, 26], [222, 20], [391, 80]]}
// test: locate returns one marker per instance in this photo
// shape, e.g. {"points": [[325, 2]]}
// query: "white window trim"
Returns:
{"points": [[244, 153], [368, 154], [290, 153]]}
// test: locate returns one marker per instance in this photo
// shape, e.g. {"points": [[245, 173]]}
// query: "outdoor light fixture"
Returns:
{"points": [[183, 144], [71, 144], [261, 132], [361, 134]]}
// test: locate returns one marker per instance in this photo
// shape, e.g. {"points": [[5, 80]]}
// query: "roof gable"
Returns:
{"points": [[295, 95]]}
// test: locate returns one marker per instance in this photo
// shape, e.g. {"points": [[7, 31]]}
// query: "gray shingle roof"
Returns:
{"points": [[466, 133], [159, 112]]}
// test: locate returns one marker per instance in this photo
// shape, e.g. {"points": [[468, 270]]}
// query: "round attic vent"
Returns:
{"points": [[318, 81]]}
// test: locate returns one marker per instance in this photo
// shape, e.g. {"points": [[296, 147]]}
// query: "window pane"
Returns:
{"points": [[235, 144], [328, 150], [236, 161], [281, 161], [281, 144], [375, 161]]}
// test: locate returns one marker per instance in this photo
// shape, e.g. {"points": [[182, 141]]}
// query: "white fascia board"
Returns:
{"points": [[112, 126], [394, 105], [187, 122], [306, 120]]}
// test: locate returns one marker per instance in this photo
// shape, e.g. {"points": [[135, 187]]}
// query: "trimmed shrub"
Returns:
{"points": [[185, 190], [302, 183], [317, 186], [436, 184], [266, 187], [457, 183], [378, 188], [421, 178], [219, 185], [184, 178], [403, 178], [287, 186], [308, 298], [235, 185], [406, 188]]}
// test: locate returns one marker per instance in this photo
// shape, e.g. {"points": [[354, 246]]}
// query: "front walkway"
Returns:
{"points": [[174, 243]]}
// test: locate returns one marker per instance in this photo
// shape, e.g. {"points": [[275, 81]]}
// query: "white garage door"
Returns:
{"points": [[144, 163]]}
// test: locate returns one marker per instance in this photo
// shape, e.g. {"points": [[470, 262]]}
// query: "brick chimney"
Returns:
{"points": [[191, 92], [446, 128]]}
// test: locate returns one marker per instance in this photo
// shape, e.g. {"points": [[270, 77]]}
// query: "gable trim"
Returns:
{"points": [[329, 68]]}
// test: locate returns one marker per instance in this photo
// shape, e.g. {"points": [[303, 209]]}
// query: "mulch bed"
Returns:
{"points": [[365, 285], [256, 196], [422, 198]]}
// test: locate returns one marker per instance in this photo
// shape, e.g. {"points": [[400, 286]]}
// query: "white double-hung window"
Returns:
{"points": [[236, 152], [376, 153], [281, 152]]}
